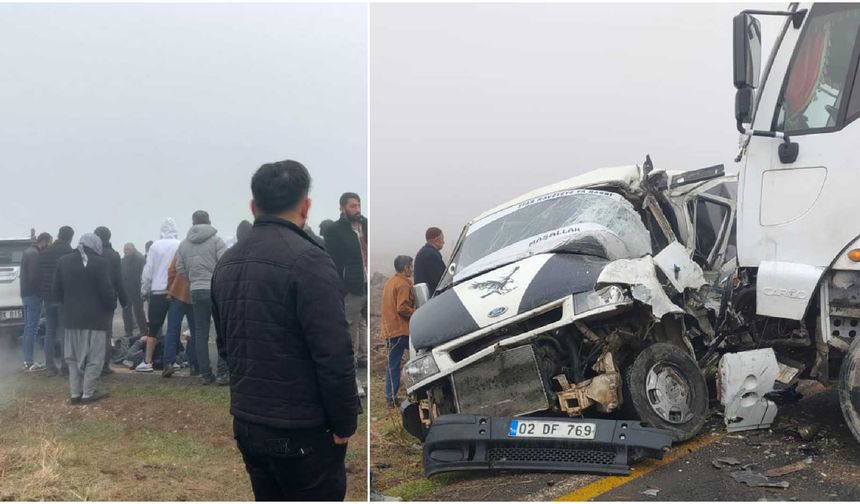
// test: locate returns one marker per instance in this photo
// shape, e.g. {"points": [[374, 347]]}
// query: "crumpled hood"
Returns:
{"points": [[168, 229], [501, 294], [199, 233]]}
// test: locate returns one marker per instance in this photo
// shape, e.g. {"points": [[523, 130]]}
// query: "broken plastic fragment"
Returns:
{"points": [[745, 378], [755, 479], [724, 462]]}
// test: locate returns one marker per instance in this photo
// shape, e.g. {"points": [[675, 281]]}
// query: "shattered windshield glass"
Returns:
{"points": [[584, 221]]}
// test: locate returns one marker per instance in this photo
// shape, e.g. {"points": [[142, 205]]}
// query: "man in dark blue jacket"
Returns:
{"points": [[54, 330], [281, 326], [429, 265], [115, 262], [31, 299]]}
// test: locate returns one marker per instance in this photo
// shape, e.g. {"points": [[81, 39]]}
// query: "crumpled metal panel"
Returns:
{"points": [[641, 276], [507, 384], [681, 271]]}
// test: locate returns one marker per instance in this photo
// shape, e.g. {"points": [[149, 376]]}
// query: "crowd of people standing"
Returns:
{"points": [[78, 288]]}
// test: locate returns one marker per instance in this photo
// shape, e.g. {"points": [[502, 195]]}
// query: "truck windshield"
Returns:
{"points": [[580, 221], [819, 76]]}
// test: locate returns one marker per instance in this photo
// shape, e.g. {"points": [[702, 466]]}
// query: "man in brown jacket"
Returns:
{"points": [[398, 305], [179, 295]]}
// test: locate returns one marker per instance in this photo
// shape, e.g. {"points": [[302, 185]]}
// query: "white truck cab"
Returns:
{"points": [[798, 177]]}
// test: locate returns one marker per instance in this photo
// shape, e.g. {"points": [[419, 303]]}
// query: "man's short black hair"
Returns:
{"points": [[401, 262], [66, 233], [280, 186], [148, 244], [43, 237], [345, 197], [103, 233], [200, 217]]}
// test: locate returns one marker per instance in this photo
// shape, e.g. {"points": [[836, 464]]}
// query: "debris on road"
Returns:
{"points": [[805, 431], [754, 479], [788, 469], [651, 492], [809, 388], [723, 462]]}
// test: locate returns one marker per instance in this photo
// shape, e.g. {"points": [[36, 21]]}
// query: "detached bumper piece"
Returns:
{"points": [[471, 442]]}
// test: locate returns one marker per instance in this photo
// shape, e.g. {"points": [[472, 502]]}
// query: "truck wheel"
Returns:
{"points": [[849, 388], [667, 390]]}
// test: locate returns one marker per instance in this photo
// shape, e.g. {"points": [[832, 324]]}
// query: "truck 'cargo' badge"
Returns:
{"points": [[495, 312]]}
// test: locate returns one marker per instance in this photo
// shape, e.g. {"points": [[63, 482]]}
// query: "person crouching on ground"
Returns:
{"points": [[82, 284], [398, 305], [280, 324]]}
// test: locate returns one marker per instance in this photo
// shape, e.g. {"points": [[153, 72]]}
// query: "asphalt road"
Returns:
{"points": [[688, 473]]}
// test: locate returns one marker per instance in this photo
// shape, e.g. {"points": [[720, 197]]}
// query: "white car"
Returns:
{"points": [[11, 310]]}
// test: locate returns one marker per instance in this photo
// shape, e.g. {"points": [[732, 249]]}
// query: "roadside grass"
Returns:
{"points": [[152, 439], [395, 455]]}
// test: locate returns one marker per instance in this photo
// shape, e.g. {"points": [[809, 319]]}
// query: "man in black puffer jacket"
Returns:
{"points": [[280, 324], [48, 260]]}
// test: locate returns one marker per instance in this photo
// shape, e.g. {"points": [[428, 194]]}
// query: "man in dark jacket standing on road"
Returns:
{"points": [[429, 265], [280, 322], [115, 262], [346, 241], [48, 260], [83, 285], [132, 269], [31, 300]]}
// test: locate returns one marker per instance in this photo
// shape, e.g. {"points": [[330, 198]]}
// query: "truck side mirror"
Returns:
{"points": [[422, 294], [747, 51]]}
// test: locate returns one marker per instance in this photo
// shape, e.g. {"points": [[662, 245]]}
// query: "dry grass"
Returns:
{"points": [[395, 454], [149, 441]]}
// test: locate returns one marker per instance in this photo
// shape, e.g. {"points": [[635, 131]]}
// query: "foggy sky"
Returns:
{"points": [[121, 115], [472, 105]]}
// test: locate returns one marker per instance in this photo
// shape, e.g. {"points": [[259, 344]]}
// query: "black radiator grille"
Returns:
{"points": [[549, 454]]}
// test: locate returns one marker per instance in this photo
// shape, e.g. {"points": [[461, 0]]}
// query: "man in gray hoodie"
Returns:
{"points": [[195, 260]]}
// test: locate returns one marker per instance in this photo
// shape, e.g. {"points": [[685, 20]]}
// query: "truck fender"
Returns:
{"points": [[784, 289]]}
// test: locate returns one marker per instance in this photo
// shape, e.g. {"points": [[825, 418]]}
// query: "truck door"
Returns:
{"points": [[800, 212], [800, 215]]}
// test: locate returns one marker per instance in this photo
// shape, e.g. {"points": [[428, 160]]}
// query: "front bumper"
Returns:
{"points": [[471, 442]]}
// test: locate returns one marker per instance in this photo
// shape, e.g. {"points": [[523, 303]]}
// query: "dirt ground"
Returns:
{"points": [[151, 440]]}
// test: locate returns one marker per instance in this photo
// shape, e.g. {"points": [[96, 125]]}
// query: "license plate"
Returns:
{"points": [[11, 314], [551, 429]]}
